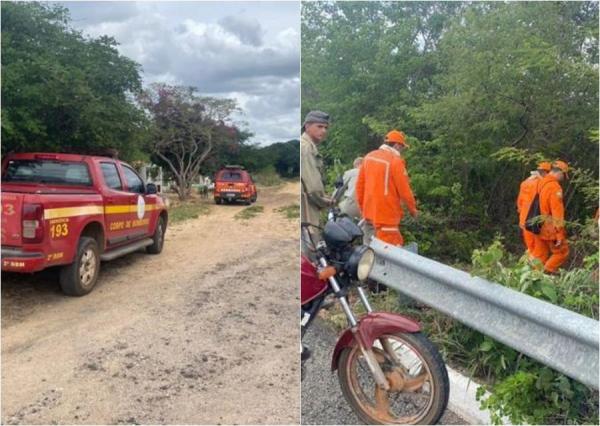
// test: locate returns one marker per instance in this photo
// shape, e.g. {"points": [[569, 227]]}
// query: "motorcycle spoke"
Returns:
{"points": [[382, 405], [414, 384]]}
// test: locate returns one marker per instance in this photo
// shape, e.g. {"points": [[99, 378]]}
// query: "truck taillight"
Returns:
{"points": [[33, 223]]}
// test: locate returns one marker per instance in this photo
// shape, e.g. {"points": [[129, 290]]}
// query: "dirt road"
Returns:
{"points": [[206, 332]]}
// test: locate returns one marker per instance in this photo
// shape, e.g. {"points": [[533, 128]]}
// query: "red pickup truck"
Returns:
{"points": [[74, 211]]}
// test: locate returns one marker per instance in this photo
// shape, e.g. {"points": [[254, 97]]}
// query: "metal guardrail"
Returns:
{"points": [[559, 338]]}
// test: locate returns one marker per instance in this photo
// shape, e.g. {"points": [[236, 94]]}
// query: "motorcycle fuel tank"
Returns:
{"points": [[310, 284]]}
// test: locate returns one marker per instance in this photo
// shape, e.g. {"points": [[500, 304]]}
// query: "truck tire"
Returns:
{"points": [[158, 239], [80, 277]]}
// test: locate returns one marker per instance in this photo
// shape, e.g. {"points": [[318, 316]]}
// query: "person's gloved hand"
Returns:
{"points": [[558, 243]]}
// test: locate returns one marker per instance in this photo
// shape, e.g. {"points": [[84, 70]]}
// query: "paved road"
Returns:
{"points": [[322, 399]]}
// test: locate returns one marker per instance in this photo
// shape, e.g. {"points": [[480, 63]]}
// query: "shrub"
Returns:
{"points": [[267, 177], [522, 389]]}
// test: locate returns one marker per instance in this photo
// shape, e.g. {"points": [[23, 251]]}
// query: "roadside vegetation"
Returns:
{"points": [[190, 209], [267, 177], [249, 212], [522, 389], [484, 91], [291, 211]]}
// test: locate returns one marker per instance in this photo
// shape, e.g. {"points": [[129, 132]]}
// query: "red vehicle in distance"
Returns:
{"points": [[74, 211], [233, 183]]}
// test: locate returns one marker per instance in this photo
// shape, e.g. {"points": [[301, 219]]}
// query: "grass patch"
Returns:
{"points": [[291, 211], [187, 210], [249, 212]]}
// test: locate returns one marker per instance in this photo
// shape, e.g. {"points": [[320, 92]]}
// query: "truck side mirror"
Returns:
{"points": [[151, 189]]}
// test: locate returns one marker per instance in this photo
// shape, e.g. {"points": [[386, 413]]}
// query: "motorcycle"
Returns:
{"points": [[389, 372]]}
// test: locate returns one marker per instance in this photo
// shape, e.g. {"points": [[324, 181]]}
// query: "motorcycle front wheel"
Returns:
{"points": [[417, 375]]}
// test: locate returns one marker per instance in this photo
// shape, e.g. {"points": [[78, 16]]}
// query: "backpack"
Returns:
{"points": [[533, 223]]}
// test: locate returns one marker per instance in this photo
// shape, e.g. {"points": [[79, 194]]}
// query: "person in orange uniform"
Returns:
{"points": [[383, 186], [550, 245], [527, 193]]}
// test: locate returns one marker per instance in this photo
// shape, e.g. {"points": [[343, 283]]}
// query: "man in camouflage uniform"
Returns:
{"points": [[311, 166]]}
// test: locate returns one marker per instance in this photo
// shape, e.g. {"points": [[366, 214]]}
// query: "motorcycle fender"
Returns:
{"points": [[369, 328]]}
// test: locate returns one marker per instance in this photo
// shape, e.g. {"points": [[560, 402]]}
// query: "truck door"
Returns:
{"points": [[141, 205], [116, 204]]}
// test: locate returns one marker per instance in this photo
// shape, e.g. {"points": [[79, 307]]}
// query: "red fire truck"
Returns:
{"points": [[75, 211]]}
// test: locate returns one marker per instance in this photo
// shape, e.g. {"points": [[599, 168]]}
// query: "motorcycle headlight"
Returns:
{"points": [[360, 263]]}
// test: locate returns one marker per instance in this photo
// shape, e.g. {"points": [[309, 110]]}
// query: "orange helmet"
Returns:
{"points": [[396, 136], [545, 166], [562, 166]]}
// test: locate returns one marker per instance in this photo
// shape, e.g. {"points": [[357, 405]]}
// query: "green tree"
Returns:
{"points": [[186, 129], [62, 91], [484, 90], [466, 82], [282, 157], [513, 80]]}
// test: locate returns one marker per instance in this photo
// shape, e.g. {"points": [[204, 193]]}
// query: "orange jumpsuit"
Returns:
{"points": [[553, 231], [527, 193], [381, 188]]}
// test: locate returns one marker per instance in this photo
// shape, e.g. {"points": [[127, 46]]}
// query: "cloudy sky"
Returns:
{"points": [[249, 51]]}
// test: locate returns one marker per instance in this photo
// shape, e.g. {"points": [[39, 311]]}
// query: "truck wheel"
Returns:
{"points": [[79, 278], [218, 201], [158, 239]]}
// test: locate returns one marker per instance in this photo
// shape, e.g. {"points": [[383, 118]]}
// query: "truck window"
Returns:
{"points": [[47, 171], [228, 176], [111, 175], [134, 183]]}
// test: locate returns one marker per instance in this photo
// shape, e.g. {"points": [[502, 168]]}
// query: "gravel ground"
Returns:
{"points": [[322, 399]]}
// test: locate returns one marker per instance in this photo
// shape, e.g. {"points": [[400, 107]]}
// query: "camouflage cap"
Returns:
{"points": [[316, 117]]}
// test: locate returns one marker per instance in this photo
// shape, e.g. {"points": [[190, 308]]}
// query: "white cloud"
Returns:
{"points": [[248, 31], [249, 51]]}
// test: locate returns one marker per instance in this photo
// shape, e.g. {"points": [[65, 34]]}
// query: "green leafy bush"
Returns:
{"points": [[522, 389]]}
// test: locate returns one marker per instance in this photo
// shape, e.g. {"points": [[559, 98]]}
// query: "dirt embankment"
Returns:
{"points": [[206, 332]]}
